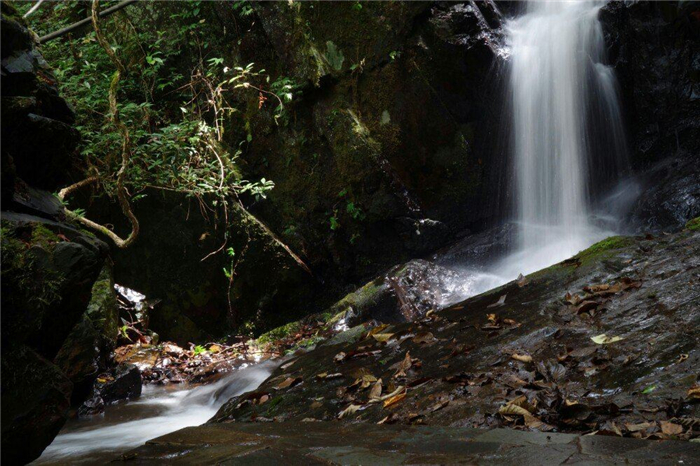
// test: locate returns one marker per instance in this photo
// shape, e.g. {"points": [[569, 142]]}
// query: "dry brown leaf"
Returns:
{"points": [[526, 358], [586, 306], [352, 409], [512, 322], [404, 366], [439, 406], [522, 281], [424, 337], [511, 409], [376, 392], [316, 404], [572, 299], [694, 392], [377, 329], [639, 427], [263, 399], [394, 399], [339, 357], [670, 428], [289, 382]]}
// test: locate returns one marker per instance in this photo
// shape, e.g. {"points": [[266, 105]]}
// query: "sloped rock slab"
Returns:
{"points": [[603, 342], [335, 443]]}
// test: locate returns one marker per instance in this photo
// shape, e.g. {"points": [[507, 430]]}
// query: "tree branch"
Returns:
{"points": [[83, 22], [122, 194]]}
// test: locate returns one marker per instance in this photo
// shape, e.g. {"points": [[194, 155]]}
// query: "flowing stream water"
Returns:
{"points": [[158, 411]]}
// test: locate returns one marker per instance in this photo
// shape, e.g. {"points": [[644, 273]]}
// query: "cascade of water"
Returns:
{"points": [[568, 142], [566, 122]]}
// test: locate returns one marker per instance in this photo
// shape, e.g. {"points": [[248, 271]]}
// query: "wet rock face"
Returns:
{"points": [[592, 343], [35, 403], [404, 294], [38, 139], [49, 267], [120, 383], [390, 136], [653, 48]]}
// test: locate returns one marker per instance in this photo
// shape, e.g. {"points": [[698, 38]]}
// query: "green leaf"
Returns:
{"points": [[603, 339]]}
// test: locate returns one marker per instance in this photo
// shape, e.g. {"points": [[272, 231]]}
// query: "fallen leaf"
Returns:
{"points": [[439, 406], [639, 427], [287, 365], [603, 339], [586, 306], [327, 376], [394, 399], [289, 382], [404, 366], [382, 337], [376, 391], [670, 428], [377, 329], [596, 288], [522, 357], [339, 357], [424, 337], [215, 349], [501, 301], [511, 322], [352, 409], [316, 405], [522, 281], [694, 392], [572, 299], [649, 389], [263, 399], [510, 409]]}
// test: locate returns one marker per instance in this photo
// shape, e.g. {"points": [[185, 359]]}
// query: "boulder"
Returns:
{"points": [[120, 383], [35, 404]]}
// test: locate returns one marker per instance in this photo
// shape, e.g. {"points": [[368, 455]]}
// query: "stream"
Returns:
{"points": [[159, 410]]}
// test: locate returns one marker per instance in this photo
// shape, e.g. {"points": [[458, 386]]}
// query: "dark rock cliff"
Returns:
{"points": [[58, 322], [653, 47]]}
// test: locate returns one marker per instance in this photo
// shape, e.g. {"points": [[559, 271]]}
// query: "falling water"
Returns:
{"points": [[568, 142], [567, 131]]}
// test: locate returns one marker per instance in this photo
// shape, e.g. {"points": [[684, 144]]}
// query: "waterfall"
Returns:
{"points": [[567, 133]]}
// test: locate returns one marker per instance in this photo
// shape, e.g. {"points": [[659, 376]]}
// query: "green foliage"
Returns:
{"points": [[693, 225], [334, 56], [176, 98], [199, 349]]}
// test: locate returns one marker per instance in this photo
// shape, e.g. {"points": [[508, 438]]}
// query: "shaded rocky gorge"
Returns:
{"points": [[394, 185]]}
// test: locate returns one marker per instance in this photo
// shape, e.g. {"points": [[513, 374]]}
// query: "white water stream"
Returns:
{"points": [[158, 411]]}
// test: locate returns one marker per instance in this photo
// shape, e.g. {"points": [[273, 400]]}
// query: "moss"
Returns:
{"points": [[604, 246], [693, 225], [26, 251], [43, 236], [597, 251], [279, 333], [102, 309]]}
